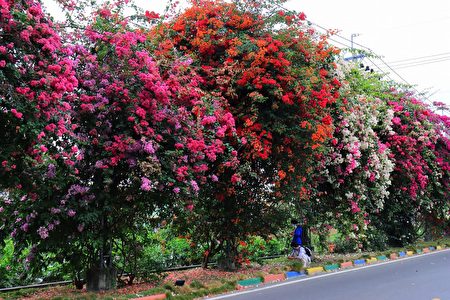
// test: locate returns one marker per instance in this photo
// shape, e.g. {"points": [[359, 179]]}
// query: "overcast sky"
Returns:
{"points": [[400, 31], [411, 36]]}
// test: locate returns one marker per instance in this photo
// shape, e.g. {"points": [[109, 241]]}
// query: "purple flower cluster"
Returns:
{"points": [[51, 171], [146, 184]]}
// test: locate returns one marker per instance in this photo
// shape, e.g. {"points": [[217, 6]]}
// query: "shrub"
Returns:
{"points": [[296, 265], [377, 240]]}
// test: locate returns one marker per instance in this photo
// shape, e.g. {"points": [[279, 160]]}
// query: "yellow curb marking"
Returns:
{"points": [[371, 260], [314, 270]]}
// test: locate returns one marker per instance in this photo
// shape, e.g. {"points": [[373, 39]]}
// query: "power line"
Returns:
{"points": [[413, 87], [372, 62], [378, 67], [369, 50], [342, 37], [422, 63], [379, 58], [333, 40], [419, 58], [362, 46]]}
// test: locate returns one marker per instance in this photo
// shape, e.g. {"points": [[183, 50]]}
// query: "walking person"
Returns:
{"points": [[298, 251]]}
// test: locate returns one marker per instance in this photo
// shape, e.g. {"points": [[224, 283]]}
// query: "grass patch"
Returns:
{"points": [[276, 270], [16, 294], [196, 285], [296, 265], [153, 291], [276, 261], [228, 286]]}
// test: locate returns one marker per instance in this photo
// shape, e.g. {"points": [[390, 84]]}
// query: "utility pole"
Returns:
{"points": [[354, 57], [353, 35]]}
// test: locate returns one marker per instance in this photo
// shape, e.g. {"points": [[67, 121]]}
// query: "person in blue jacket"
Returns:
{"points": [[297, 236], [298, 251]]}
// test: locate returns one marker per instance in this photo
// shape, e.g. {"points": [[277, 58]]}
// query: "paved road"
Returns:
{"points": [[418, 277]]}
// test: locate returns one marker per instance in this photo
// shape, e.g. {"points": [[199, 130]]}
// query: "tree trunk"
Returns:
{"points": [[205, 260], [227, 261], [101, 279], [207, 255], [103, 276]]}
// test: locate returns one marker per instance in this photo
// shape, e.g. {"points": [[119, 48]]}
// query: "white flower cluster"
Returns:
{"points": [[358, 167]]}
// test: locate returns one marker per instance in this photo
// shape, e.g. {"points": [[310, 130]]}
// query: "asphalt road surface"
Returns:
{"points": [[417, 277]]}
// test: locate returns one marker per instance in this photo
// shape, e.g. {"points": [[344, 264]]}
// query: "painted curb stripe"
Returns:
{"points": [[371, 260], [250, 281], [274, 277], [346, 264], [311, 271], [331, 267], [294, 274]]}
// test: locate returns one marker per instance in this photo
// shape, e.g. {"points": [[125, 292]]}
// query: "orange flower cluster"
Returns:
{"points": [[323, 132], [277, 84]]}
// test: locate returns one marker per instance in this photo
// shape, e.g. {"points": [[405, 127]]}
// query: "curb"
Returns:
{"points": [[359, 262], [311, 271], [346, 264], [291, 274], [331, 267], [274, 278], [371, 260], [243, 284]]}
